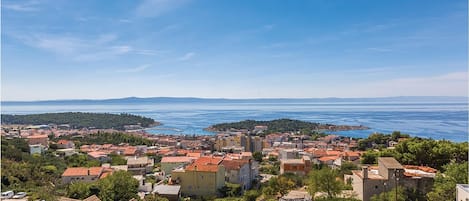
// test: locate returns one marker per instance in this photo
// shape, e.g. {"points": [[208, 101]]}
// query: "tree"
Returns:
{"points": [[112, 187], [325, 180], [257, 156], [230, 190], [117, 159], [250, 195], [79, 190], [154, 197], [444, 185], [369, 157]]}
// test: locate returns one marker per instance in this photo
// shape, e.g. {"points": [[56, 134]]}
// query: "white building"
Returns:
{"points": [[462, 192]]}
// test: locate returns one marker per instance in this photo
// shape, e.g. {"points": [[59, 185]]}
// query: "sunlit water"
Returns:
{"points": [[445, 120]]}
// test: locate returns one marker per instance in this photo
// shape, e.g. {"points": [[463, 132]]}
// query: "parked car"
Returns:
{"points": [[19, 195], [7, 194]]}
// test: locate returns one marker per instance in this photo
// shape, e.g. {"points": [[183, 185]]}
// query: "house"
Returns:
{"points": [[81, 174], [462, 192], [296, 166], [65, 144], [239, 172], [171, 192], [143, 186], [66, 152], [99, 155], [374, 180], [169, 163], [331, 161], [36, 149], [140, 165], [289, 154], [38, 139], [201, 178]]}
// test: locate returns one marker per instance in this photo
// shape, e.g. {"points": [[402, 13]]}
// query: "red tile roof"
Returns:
{"points": [[37, 136], [177, 159], [202, 168], [82, 171], [233, 164], [62, 142]]}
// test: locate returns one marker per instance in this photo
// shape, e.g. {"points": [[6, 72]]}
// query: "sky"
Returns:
{"points": [[92, 49]]}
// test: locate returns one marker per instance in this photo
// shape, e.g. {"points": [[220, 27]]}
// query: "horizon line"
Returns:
{"points": [[224, 98]]}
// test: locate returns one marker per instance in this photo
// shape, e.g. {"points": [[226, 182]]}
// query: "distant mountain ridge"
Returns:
{"points": [[137, 100]]}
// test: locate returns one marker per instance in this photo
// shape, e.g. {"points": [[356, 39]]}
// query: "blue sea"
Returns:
{"points": [[438, 119]]}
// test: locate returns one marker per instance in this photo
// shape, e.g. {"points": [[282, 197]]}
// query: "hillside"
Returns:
{"points": [[282, 125], [81, 120]]}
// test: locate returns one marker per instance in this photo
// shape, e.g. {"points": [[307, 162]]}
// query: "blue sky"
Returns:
{"points": [[91, 49]]}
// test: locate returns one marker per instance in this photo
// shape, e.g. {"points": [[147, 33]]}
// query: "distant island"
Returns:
{"points": [[78, 120], [182, 100], [282, 125]]}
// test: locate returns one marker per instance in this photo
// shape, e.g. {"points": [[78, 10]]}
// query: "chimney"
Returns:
{"points": [[365, 172], [88, 171]]}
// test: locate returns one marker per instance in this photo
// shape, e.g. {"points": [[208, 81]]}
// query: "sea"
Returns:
{"points": [[438, 118]]}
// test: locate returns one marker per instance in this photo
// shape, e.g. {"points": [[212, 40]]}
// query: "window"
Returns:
{"points": [[376, 187]]}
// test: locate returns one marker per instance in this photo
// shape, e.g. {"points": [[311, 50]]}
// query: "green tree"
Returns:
{"points": [[250, 195], [79, 190], [154, 197], [230, 190], [117, 159], [257, 156], [112, 187], [445, 184], [369, 157], [325, 180]]}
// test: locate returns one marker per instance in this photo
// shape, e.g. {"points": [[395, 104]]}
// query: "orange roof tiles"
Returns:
{"points": [[177, 159], [328, 158], [233, 164], [202, 168], [37, 136], [82, 171], [208, 160]]}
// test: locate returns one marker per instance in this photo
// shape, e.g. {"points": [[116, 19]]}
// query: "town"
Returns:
{"points": [[237, 164]]}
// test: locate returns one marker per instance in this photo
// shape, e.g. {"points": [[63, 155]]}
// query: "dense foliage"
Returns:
{"points": [[108, 138], [379, 140], [418, 151], [80, 120], [107, 189], [279, 125], [444, 186], [37, 174]]}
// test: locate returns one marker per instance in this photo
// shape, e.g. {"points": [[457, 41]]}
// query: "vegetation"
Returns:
{"points": [[257, 156], [444, 185], [80, 120], [107, 189], [108, 138], [325, 180], [39, 175], [230, 190], [281, 125], [379, 140]]}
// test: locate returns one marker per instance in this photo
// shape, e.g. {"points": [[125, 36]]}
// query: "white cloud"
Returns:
{"points": [[155, 8], [84, 49], [134, 70], [187, 56], [28, 6]]}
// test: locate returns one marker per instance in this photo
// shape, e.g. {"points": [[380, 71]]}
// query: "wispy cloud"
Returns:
{"points": [[187, 56], [155, 8], [134, 70], [102, 47], [28, 6]]}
